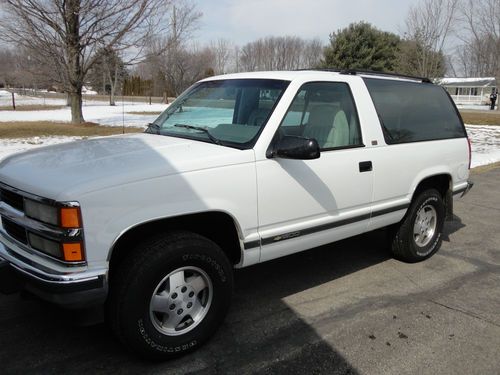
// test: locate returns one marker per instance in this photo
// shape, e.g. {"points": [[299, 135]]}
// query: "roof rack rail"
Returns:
{"points": [[372, 72], [396, 75]]}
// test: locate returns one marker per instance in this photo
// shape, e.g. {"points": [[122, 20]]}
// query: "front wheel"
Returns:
{"points": [[419, 234], [171, 295]]}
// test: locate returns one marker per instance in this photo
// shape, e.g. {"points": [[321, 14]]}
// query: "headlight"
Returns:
{"points": [[69, 252], [67, 243], [42, 212], [47, 246], [64, 217]]}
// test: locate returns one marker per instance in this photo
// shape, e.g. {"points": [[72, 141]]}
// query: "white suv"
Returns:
{"points": [[240, 169]]}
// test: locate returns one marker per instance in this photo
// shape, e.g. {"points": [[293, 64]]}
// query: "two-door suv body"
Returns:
{"points": [[240, 169]]}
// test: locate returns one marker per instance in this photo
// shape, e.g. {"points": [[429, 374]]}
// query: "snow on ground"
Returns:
{"points": [[93, 111], [88, 91], [485, 143], [448, 80], [97, 112], [476, 107], [6, 100]]}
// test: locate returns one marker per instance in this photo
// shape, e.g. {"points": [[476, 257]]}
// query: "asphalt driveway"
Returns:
{"points": [[346, 308]]}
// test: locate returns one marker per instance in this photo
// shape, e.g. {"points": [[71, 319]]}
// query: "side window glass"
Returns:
{"points": [[324, 111], [414, 111], [295, 113]]}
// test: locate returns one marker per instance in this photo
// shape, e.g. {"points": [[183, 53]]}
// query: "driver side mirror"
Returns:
{"points": [[294, 147]]}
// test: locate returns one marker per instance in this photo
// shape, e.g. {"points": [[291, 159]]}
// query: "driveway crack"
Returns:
{"points": [[465, 312]]}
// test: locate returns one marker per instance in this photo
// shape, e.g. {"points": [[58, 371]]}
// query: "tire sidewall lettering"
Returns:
{"points": [[208, 260], [161, 348]]}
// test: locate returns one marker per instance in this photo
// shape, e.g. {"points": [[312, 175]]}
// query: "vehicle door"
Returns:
{"points": [[307, 203]]}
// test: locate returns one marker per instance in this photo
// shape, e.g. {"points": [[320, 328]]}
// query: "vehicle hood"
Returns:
{"points": [[64, 171]]}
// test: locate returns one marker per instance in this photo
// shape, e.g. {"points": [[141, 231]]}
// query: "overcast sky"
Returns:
{"points": [[243, 21]]}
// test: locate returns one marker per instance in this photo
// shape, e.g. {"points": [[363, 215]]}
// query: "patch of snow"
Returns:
{"points": [[446, 80], [93, 111], [6, 100], [479, 107], [88, 91], [485, 144]]}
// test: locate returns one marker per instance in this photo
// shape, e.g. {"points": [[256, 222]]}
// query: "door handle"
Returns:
{"points": [[365, 166]]}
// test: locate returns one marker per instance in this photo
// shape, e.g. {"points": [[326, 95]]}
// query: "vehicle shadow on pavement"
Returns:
{"points": [[451, 227], [261, 334]]}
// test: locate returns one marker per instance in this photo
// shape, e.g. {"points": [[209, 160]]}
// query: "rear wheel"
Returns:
{"points": [[171, 295], [419, 235]]}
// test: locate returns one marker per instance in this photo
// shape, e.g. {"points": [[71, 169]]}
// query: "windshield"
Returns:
{"points": [[226, 112]]}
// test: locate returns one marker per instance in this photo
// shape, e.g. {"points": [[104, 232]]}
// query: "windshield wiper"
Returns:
{"points": [[153, 128], [205, 130]]}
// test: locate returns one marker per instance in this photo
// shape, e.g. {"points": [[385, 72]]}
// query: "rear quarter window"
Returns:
{"points": [[413, 111]]}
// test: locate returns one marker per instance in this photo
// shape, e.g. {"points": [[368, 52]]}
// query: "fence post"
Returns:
{"points": [[13, 101]]}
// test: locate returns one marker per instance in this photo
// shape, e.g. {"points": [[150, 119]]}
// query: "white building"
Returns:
{"points": [[467, 91]]}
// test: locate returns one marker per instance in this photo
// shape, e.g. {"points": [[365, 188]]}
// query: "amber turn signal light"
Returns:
{"points": [[70, 217], [72, 252]]}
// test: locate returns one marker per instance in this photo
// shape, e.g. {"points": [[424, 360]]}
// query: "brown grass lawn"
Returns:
{"points": [[485, 168], [46, 128], [481, 117], [34, 107]]}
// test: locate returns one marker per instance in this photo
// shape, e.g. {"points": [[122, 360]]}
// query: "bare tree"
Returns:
{"points": [[107, 73], [222, 49], [312, 53], [280, 53], [428, 26], [7, 68], [479, 54], [66, 34], [19, 68], [169, 55], [481, 37]]}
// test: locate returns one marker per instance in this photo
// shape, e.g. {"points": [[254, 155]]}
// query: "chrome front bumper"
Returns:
{"points": [[70, 287]]}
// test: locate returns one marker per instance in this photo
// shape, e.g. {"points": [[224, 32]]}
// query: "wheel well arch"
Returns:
{"points": [[218, 226], [440, 182], [443, 184]]}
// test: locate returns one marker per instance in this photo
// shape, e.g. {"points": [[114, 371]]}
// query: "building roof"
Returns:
{"points": [[467, 82]]}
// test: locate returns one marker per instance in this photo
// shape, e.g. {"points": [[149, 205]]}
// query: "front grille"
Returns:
{"points": [[12, 199], [14, 230]]}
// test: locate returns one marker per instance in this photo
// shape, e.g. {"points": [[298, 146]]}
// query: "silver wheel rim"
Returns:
{"points": [[181, 301], [425, 225]]}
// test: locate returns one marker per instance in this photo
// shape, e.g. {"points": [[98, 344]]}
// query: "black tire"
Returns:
{"points": [[404, 245], [138, 278]]}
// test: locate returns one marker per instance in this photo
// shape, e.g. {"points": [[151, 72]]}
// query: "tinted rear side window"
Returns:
{"points": [[413, 112]]}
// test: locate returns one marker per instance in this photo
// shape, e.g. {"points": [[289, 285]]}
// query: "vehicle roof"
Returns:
{"points": [[284, 75], [290, 75]]}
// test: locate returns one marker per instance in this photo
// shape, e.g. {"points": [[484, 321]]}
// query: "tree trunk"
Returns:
{"points": [[112, 87], [73, 49], [114, 84], [112, 96], [76, 106]]}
